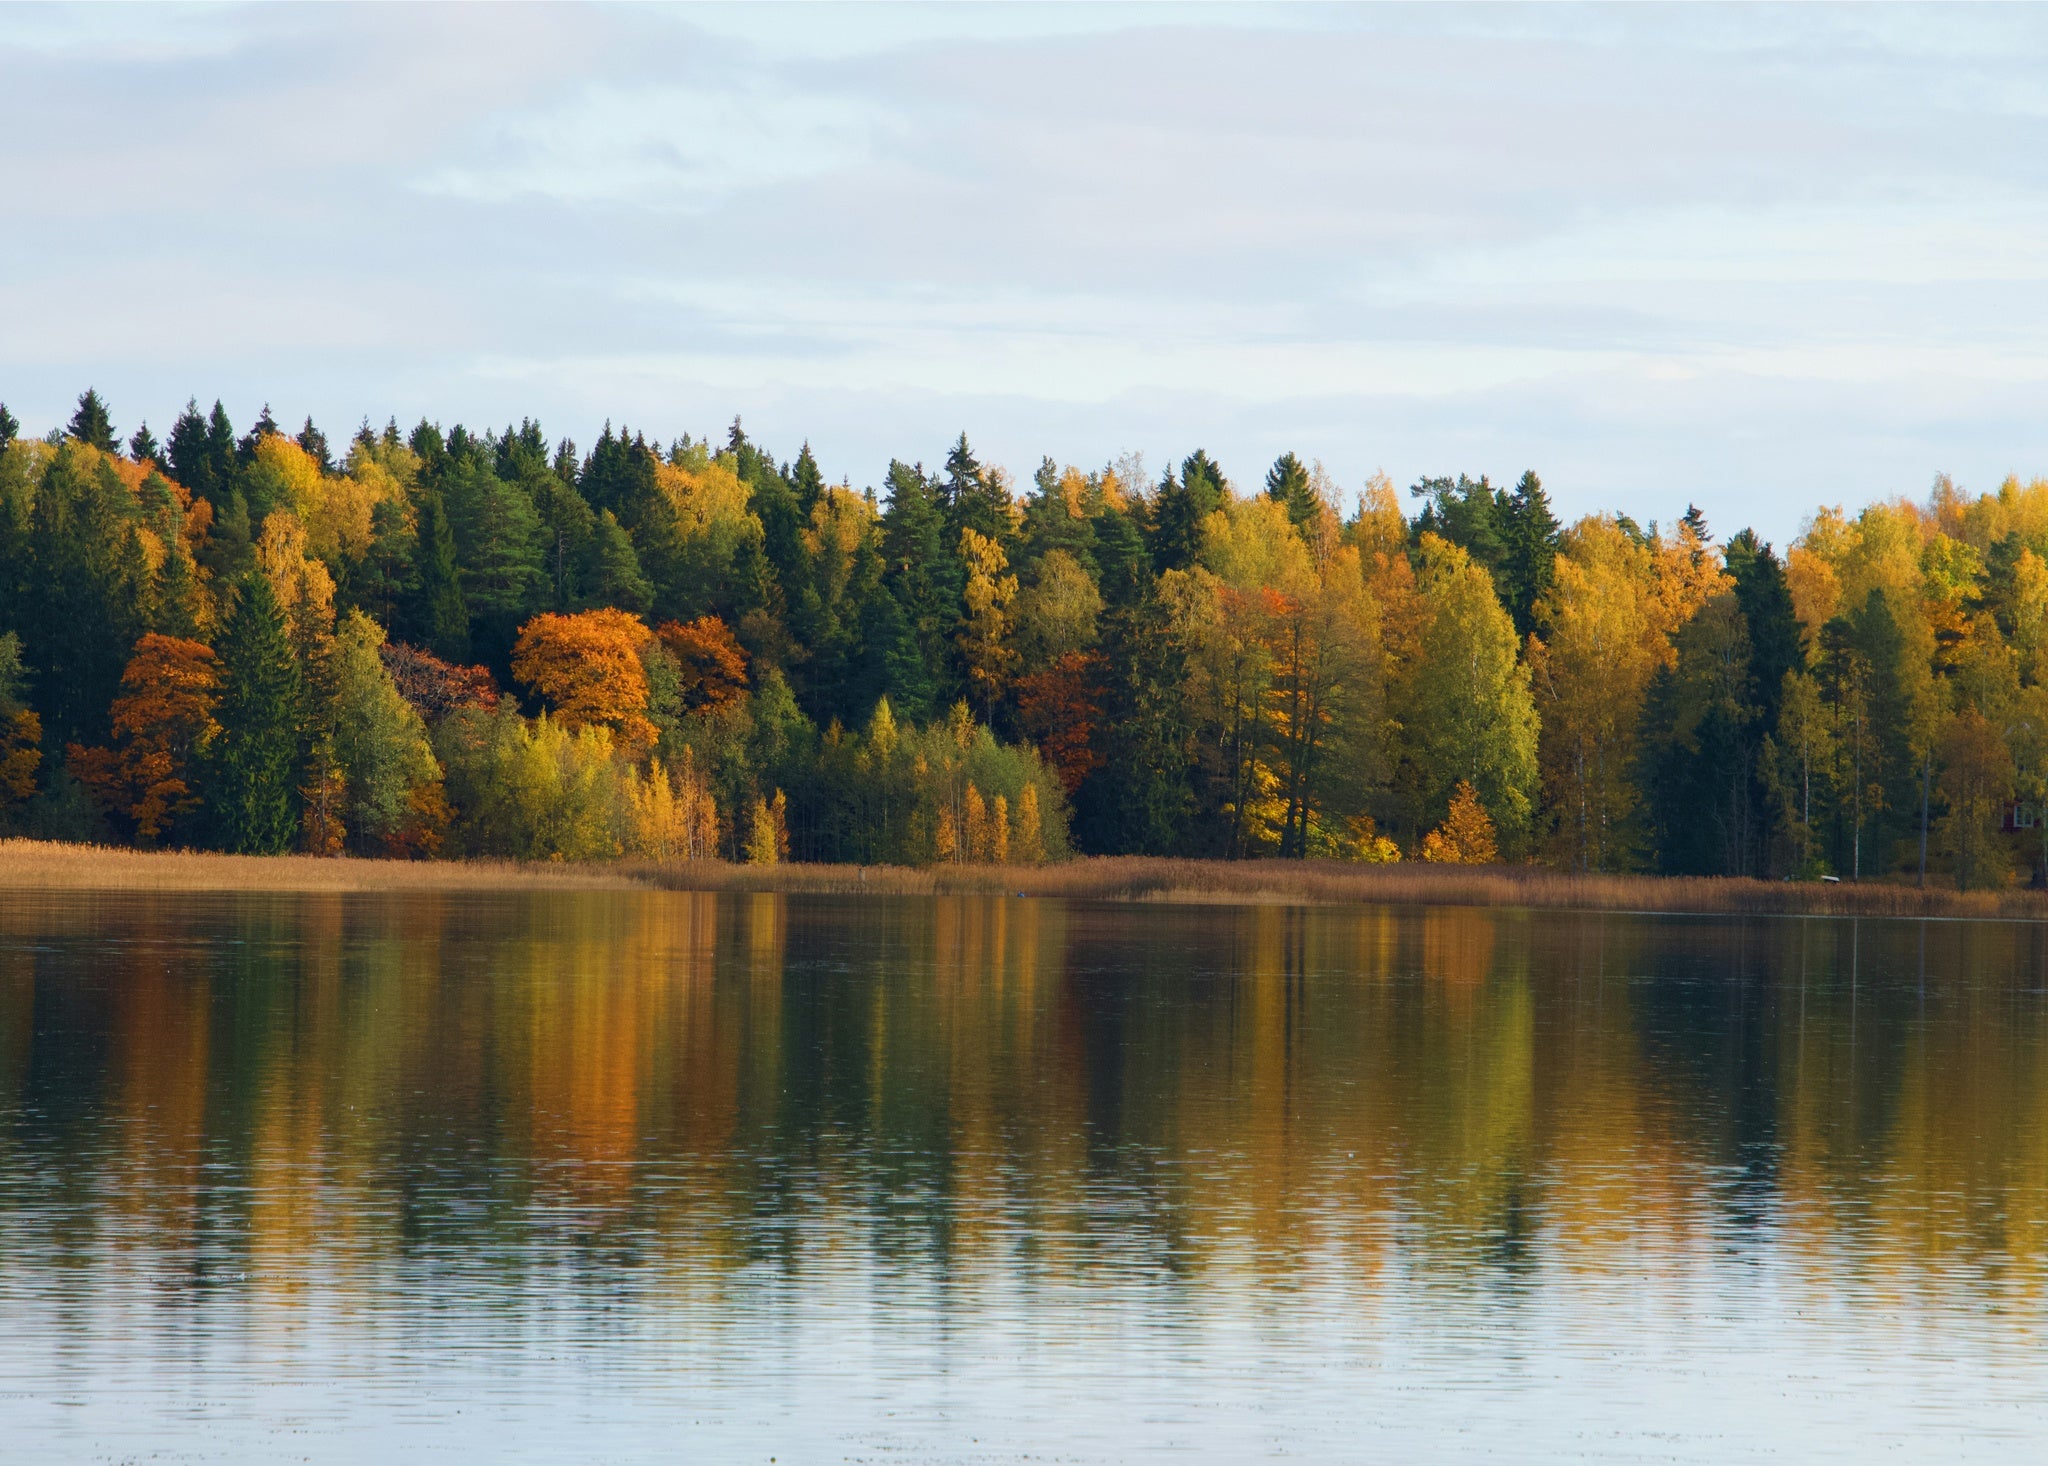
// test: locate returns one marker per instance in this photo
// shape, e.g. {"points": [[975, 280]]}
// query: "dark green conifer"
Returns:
{"points": [[91, 425], [144, 448], [441, 616], [253, 765], [1529, 541], [1287, 484]]}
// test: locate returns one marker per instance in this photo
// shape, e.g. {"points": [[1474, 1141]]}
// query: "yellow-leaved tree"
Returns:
{"points": [[1466, 837], [985, 638]]}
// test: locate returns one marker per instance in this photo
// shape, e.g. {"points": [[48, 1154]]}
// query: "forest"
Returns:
{"points": [[452, 643]]}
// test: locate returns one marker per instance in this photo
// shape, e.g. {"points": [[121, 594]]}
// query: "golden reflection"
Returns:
{"points": [[336, 1080]]}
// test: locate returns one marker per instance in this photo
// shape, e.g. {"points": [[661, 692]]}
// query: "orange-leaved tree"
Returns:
{"points": [[711, 662], [162, 721], [21, 731], [587, 668]]}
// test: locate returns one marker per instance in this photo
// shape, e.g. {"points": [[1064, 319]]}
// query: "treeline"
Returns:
{"points": [[453, 642]]}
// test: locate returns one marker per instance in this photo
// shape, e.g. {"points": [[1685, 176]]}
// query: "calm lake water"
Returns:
{"points": [[575, 1177]]}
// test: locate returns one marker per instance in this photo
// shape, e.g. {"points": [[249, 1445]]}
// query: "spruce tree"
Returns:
{"points": [[264, 427], [1529, 541], [611, 569], [919, 572], [974, 498], [1468, 513], [190, 464], [91, 425], [806, 482], [315, 443], [1287, 484], [144, 448], [253, 766], [1178, 509], [10, 425], [441, 616], [220, 455]]}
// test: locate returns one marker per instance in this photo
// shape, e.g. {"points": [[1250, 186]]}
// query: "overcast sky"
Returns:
{"points": [[1758, 259]]}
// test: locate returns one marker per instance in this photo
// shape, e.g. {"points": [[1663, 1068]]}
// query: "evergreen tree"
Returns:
{"points": [[253, 765], [1529, 541], [805, 481], [497, 546], [315, 443], [973, 497], [1698, 748], [1178, 509], [1123, 565], [90, 424], [1468, 513], [1139, 799], [611, 569], [191, 463], [1287, 484], [10, 426], [143, 448], [264, 426], [440, 615], [1776, 639], [1862, 670], [85, 606], [920, 573]]}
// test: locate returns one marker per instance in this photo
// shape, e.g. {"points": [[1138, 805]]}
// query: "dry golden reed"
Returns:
{"points": [[29, 864]]}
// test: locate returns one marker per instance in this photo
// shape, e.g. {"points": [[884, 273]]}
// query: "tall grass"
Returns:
{"points": [[41, 865], [30, 864], [1137, 878]]}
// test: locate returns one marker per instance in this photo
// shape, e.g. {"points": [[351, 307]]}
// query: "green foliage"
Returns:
{"points": [[380, 742], [253, 764], [531, 790], [1466, 708], [1203, 671], [90, 424]]}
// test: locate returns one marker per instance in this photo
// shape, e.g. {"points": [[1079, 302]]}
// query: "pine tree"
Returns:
{"points": [[253, 766], [10, 425], [90, 424]]}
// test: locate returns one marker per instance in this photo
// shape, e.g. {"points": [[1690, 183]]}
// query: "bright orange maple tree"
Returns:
{"points": [[712, 662], [162, 720], [587, 668]]}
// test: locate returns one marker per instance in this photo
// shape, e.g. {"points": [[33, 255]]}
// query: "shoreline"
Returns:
{"points": [[27, 865]]}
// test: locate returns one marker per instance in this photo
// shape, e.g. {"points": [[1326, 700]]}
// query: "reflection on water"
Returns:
{"points": [[606, 1176]]}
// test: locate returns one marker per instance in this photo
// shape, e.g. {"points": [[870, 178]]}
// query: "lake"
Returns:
{"points": [[619, 1176]]}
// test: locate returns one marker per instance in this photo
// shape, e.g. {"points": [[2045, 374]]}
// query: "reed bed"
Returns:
{"points": [[41, 865], [1136, 878], [37, 865]]}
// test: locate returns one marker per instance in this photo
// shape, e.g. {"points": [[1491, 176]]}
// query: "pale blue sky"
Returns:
{"points": [[1761, 259]]}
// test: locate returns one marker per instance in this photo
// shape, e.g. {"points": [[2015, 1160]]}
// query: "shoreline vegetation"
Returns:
{"points": [[47, 866], [497, 646]]}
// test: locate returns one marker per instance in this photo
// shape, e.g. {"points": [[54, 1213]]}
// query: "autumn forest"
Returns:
{"points": [[435, 643]]}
